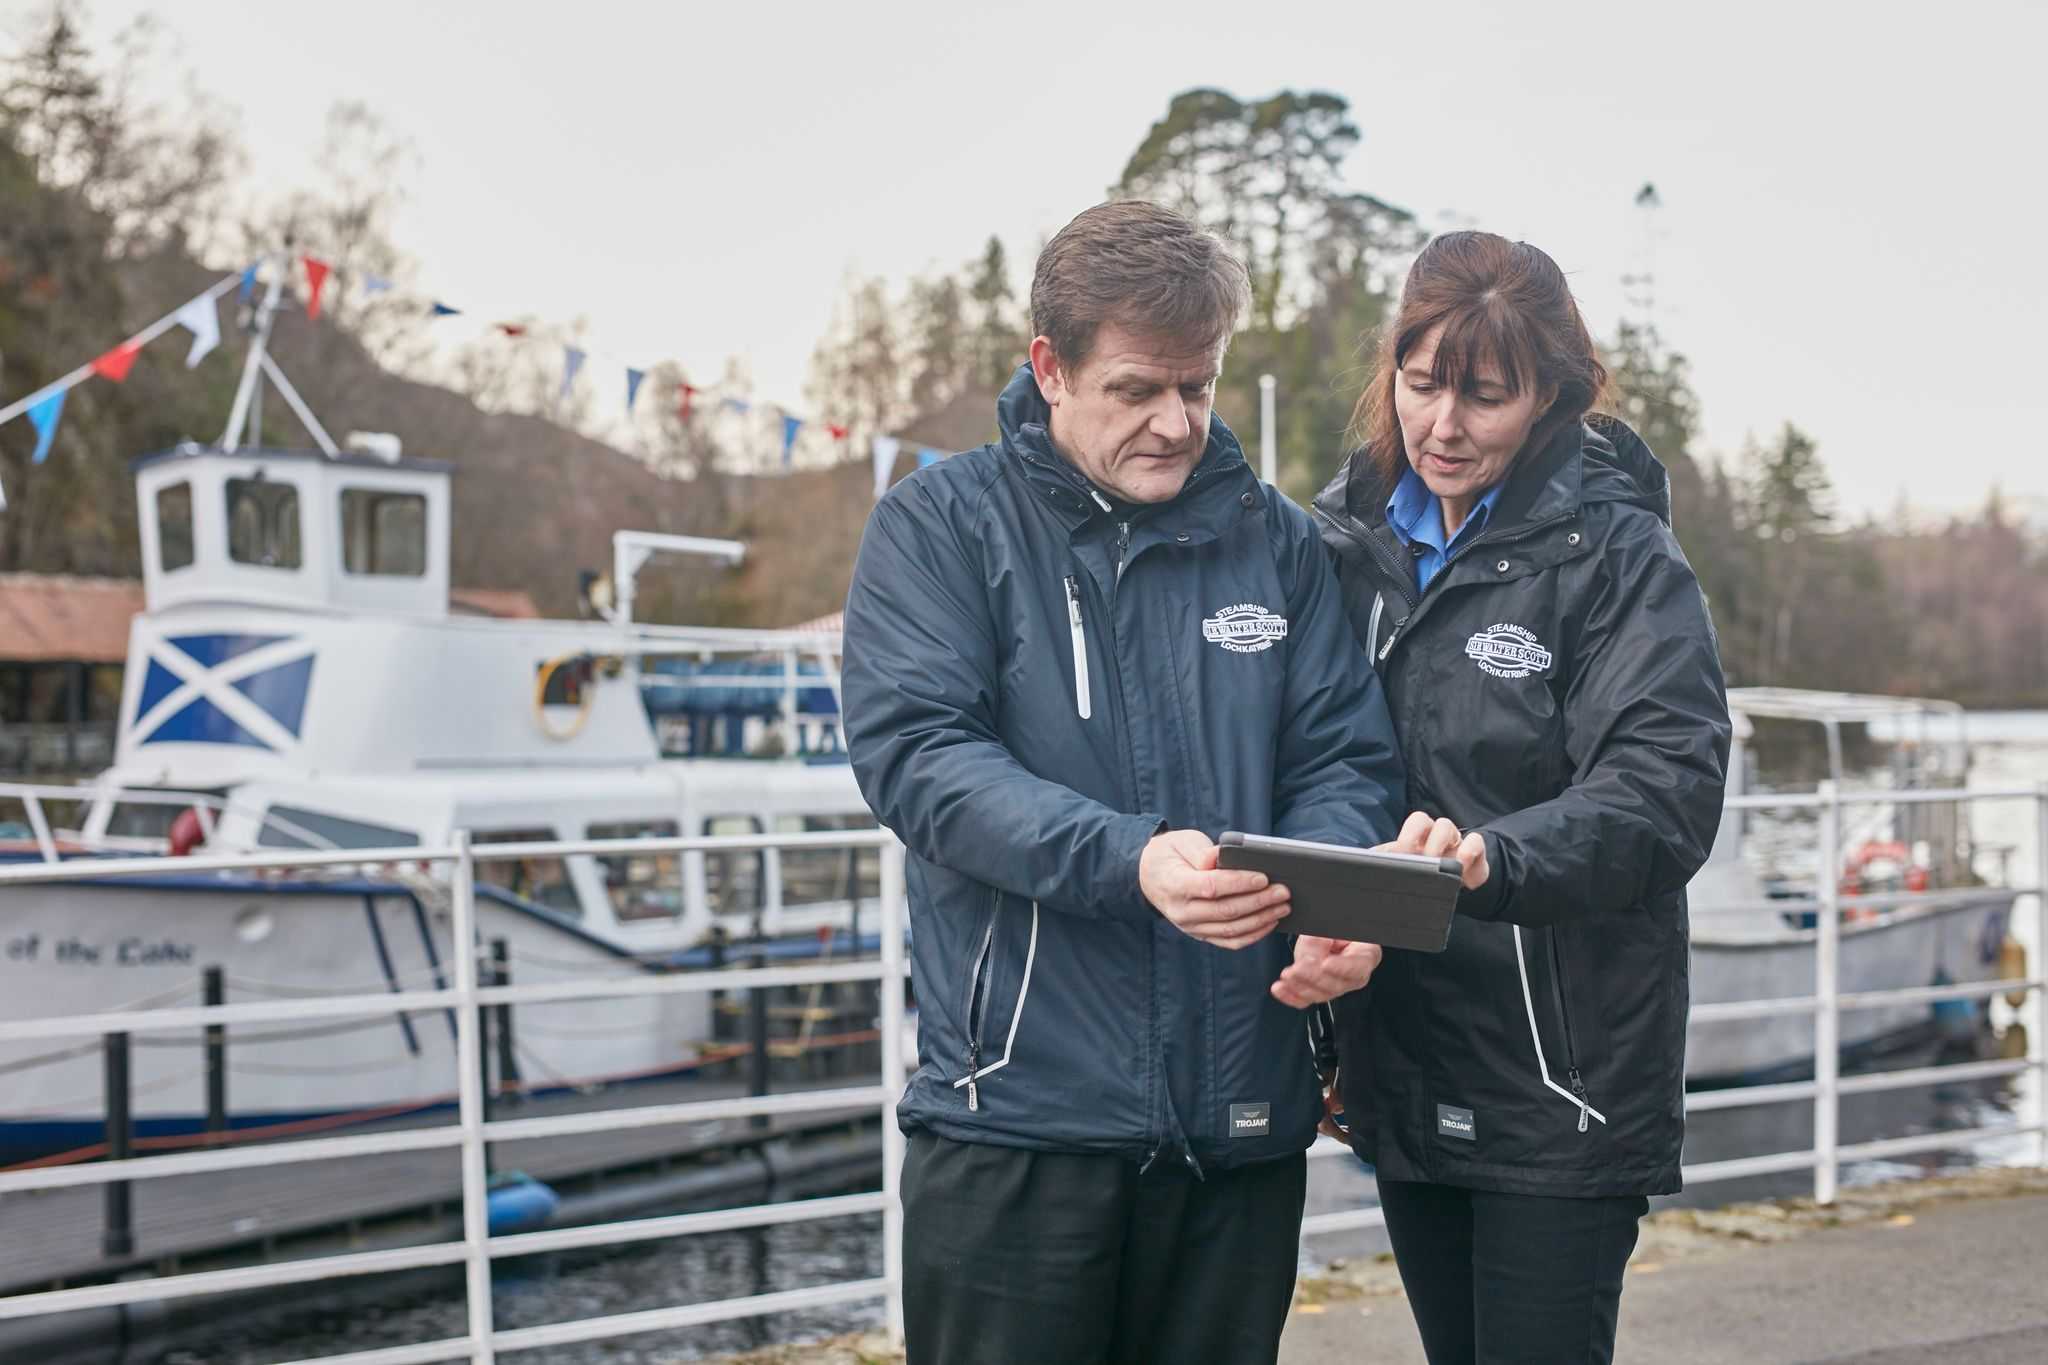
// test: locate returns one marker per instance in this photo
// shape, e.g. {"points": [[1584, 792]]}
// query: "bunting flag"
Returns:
{"points": [[927, 456], [790, 427], [316, 280], [45, 415], [376, 284], [685, 393], [515, 330], [248, 287], [116, 363], [572, 361], [885, 449], [839, 433], [737, 404], [633, 378], [202, 319], [442, 310]]}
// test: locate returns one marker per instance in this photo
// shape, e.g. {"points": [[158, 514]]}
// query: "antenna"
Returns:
{"points": [[258, 364], [1639, 285]]}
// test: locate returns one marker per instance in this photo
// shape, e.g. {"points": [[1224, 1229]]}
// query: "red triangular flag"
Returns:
{"points": [[316, 280], [116, 363], [839, 433], [688, 392], [511, 329]]}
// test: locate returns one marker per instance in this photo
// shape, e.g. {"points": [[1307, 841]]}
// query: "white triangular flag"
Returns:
{"points": [[202, 319], [885, 462]]}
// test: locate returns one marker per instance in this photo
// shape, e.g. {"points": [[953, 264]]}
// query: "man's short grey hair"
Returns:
{"points": [[1145, 268]]}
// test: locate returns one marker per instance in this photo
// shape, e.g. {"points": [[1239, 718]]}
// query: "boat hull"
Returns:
{"points": [[1925, 945], [89, 947]]}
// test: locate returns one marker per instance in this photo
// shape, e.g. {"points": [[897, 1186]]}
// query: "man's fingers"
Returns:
{"points": [[1222, 911], [1236, 939]]}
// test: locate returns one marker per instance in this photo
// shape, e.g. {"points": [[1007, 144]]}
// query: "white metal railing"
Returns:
{"points": [[1828, 1002], [470, 1134]]}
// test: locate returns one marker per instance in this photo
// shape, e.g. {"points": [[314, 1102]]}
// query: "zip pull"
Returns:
{"points": [[1123, 547], [1084, 705], [974, 1065], [1388, 647], [1579, 1090]]}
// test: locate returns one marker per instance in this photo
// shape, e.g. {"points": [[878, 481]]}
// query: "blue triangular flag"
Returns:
{"points": [[572, 361], [738, 404], [442, 310], [927, 456], [633, 378], [375, 284], [790, 427], [249, 283], [45, 415]]}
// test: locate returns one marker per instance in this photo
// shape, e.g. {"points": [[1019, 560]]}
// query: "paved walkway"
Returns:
{"points": [[1958, 1283]]}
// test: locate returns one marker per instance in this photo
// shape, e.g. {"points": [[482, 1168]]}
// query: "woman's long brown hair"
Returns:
{"points": [[1502, 305]]}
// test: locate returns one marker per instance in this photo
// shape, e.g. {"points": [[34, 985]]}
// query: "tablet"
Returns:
{"points": [[1397, 900]]}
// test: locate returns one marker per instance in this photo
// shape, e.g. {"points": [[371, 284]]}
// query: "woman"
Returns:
{"points": [[1507, 560]]}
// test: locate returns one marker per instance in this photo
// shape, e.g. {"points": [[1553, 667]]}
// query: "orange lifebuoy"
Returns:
{"points": [[1913, 876]]}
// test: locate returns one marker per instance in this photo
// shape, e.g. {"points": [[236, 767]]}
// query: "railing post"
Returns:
{"points": [[2039, 965], [213, 991], [893, 910], [508, 1054], [118, 1239], [757, 1039], [1827, 990], [468, 1067]]}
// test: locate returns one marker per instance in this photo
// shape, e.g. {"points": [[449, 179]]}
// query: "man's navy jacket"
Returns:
{"points": [[1033, 688]]}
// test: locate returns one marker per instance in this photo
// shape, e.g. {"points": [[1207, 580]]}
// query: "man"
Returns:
{"points": [[1073, 658]]}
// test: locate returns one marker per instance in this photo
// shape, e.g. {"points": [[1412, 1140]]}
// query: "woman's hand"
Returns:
{"points": [[1439, 838], [1323, 969]]}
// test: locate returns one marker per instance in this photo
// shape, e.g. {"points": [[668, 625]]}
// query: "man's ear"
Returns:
{"points": [[1046, 369]]}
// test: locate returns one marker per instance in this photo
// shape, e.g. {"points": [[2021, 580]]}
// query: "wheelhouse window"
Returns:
{"points": [[174, 525], [292, 827], [538, 881], [733, 878], [383, 533], [263, 523], [811, 876], [642, 886]]}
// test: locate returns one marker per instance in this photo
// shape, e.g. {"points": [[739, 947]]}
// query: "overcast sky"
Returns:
{"points": [[1851, 238]]}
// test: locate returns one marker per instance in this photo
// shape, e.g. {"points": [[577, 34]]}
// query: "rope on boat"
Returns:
{"points": [[73, 1105]]}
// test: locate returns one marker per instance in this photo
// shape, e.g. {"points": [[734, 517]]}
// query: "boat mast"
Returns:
{"points": [[257, 364]]}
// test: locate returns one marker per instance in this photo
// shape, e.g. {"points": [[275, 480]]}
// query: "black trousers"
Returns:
{"points": [[1496, 1279], [1018, 1256]]}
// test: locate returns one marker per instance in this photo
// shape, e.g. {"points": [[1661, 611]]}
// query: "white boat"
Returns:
{"points": [[297, 680], [1915, 910]]}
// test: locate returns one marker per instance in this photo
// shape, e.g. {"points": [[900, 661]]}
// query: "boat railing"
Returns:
{"points": [[36, 799], [468, 997]]}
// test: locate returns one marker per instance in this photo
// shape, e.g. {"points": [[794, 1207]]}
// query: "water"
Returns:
{"points": [[556, 1288], [2008, 749]]}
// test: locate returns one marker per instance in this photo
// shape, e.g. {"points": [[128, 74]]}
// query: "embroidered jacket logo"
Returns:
{"points": [[1507, 651], [1245, 628]]}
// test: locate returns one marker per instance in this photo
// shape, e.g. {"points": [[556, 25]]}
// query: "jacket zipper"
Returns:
{"points": [[1558, 979], [977, 1004], [1083, 699]]}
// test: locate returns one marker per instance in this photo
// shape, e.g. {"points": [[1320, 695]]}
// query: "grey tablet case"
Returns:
{"points": [[1397, 900]]}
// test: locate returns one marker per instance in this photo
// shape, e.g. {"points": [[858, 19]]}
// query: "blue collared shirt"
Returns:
{"points": [[1418, 518]]}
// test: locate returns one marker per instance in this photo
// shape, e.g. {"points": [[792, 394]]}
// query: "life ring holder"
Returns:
{"points": [[545, 676]]}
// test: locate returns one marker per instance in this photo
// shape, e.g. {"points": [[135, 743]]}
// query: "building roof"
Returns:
{"points": [[48, 618], [63, 618]]}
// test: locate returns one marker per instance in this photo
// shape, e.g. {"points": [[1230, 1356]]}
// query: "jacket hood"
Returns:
{"points": [[1601, 460]]}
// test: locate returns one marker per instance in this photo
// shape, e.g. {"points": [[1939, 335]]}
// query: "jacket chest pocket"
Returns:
{"points": [[1498, 701], [998, 982]]}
